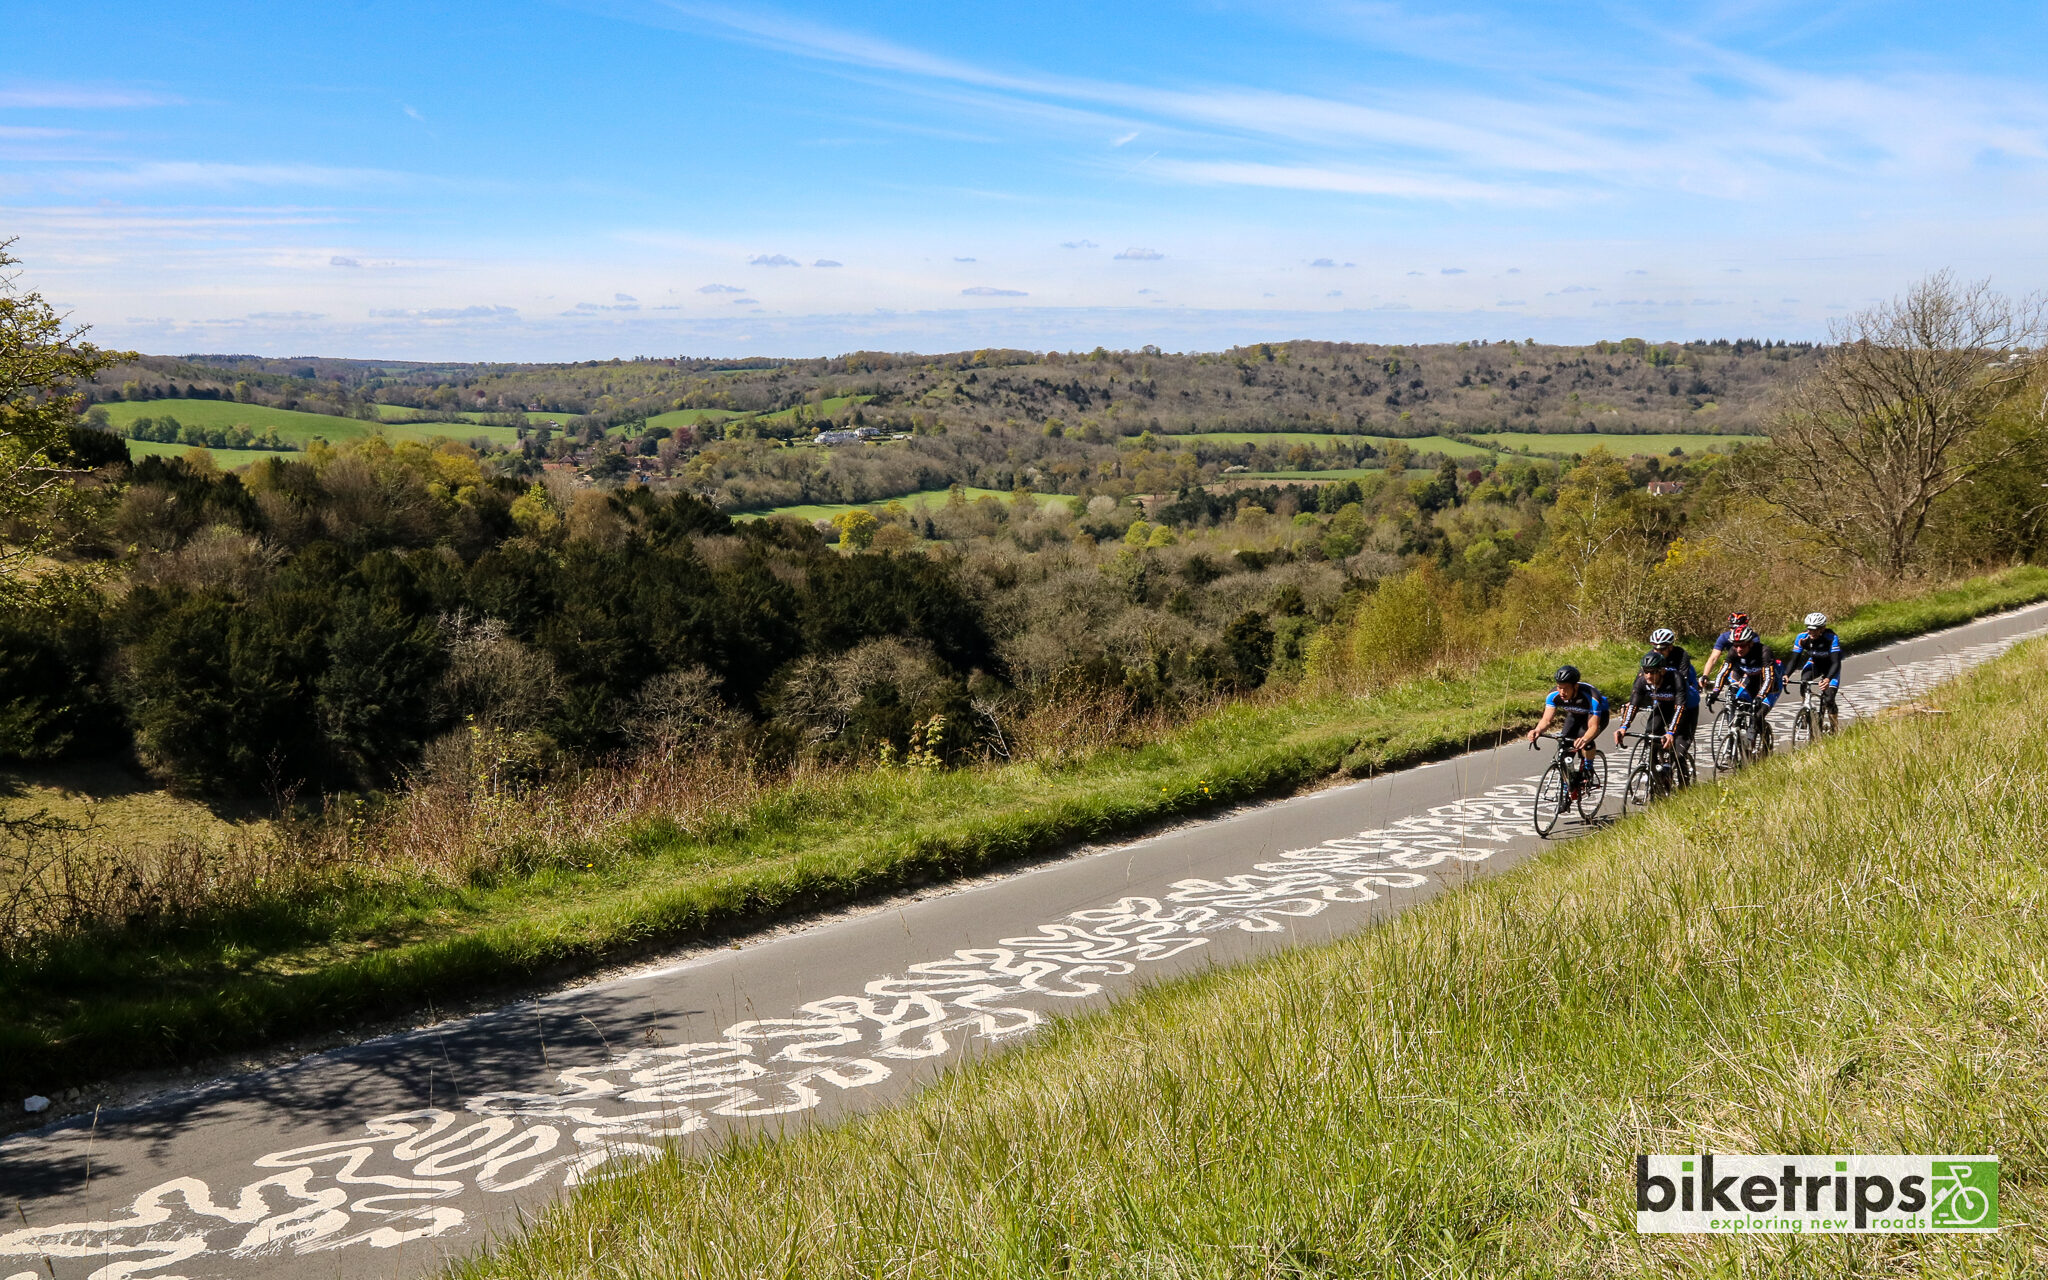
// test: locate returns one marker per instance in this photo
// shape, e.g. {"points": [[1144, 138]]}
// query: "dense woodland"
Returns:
{"points": [[1623, 387]]}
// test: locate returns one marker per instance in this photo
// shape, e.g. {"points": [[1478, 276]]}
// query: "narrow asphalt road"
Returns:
{"points": [[388, 1157]]}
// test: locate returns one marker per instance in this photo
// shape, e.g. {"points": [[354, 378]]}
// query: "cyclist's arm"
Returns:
{"points": [[1543, 725], [1834, 656]]}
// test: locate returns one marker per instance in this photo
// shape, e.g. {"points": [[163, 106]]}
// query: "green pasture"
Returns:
{"points": [[298, 427], [1317, 440], [824, 408], [1339, 473], [1616, 443], [225, 459], [691, 417]]}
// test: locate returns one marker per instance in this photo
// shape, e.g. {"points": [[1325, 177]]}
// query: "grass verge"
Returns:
{"points": [[92, 1005], [1841, 951]]}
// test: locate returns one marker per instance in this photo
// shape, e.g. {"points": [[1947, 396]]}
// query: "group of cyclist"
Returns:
{"points": [[1667, 681]]}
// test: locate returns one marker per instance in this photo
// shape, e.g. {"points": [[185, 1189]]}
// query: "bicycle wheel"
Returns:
{"points": [[1550, 799], [1722, 743], [1593, 785], [1639, 788], [1765, 739], [1682, 772], [1803, 727]]}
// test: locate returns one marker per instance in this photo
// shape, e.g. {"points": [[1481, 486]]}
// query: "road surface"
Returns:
{"points": [[387, 1157]]}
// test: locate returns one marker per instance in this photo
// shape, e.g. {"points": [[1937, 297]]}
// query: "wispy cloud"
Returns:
{"points": [[447, 313], [1139, 255], [720, 288], [1079, 244], [827, 262], [985, 291], [773, 260], [71, 97]]}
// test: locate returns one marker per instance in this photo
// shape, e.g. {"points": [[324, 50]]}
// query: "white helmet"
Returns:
{"points": [[1816, 620], [1663, 635]]}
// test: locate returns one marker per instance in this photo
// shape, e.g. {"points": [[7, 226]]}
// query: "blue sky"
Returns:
{"points": [[622, 177]]}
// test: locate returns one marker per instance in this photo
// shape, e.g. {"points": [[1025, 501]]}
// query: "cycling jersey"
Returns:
{"points": [[1673, 694], [1818, 653], [1585, 705], [1755, 674], [1681, 662], [1676, 702]]}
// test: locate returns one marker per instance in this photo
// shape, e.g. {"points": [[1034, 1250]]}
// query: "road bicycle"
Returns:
{"points": [[1654, 770], [1741, 734], [1571, 781], [1813, 719]]}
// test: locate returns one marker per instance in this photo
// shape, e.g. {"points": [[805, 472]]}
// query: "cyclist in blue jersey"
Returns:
{"points": [[1751, 670], [1580, 712], [1658, 684], [1736, 622], [1817, 653]]}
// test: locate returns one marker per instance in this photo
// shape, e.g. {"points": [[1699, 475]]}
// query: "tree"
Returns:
{"points": [[40, 361], [1865, 446]]}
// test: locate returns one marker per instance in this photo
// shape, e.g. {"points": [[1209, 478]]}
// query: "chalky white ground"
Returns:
{"points": [[390, 1156]]}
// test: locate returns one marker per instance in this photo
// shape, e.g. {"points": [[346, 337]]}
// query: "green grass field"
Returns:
{"points": [[83, 1006], [829, 405], [1838, 951], [292, 425], [390, 412], [1314, 440], [1585, 441], [225, 459], [923, 498], [1340, 473], [690, 417]]}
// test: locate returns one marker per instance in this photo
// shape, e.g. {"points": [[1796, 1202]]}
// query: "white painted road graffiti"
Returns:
{"points": [[391, 1183]]}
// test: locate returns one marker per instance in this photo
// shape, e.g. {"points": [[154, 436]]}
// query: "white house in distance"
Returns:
{"points": [[857, 435]]}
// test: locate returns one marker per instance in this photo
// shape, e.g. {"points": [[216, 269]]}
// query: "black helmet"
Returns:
{"points": [[1653, 661], [1567, 674]]}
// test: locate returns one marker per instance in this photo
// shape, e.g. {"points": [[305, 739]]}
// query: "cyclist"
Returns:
{"points": [[1736, 622], [1659, 684], [1583, 710], [1818, 653], [1751, 670], [1665, 641]]}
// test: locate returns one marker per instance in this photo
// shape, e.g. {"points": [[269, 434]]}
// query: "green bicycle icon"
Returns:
{"points": [[1966, 1195]]}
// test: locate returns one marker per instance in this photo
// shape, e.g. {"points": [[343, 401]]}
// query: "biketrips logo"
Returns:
{"points": [[1728, 1195]]}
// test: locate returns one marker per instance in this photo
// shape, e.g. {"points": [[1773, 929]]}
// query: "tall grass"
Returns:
{"points": [[450, 893], [1841, 951]]}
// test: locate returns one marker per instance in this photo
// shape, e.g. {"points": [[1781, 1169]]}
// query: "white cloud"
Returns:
{"points": [[288, 315], [81, 98], [624, 297], [412, 111], [963, 259], [1334, 293], [721, 288], [984, 291], [339, 261], [1451, 271], [1139, 255], [448, 313], [1079, 244], [773, 260], [1125, 140], [827, 262]]}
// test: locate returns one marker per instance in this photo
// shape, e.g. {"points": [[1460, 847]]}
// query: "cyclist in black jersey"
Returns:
{"points": [[1659, 685], [1751, 670], [1665, 641], [1583, 712], [1817, 653]]}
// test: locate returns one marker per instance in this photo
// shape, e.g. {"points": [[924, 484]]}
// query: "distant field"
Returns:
{"points": [[389, 412], [225, 459], [1581, 442], [691, 417], [824, 407], [925, 498], [1341, 473], [293, 425], [1314, 440]]}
